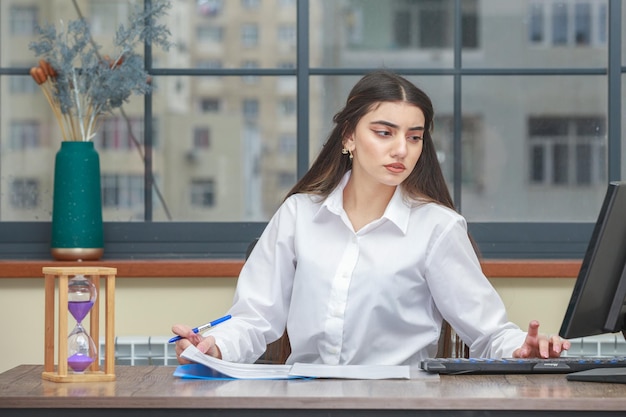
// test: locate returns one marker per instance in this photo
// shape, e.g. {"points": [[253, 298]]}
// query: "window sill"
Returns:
{"points": [[220, 268]]}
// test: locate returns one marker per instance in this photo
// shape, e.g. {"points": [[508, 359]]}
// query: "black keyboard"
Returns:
{"points": [[562, 365]]}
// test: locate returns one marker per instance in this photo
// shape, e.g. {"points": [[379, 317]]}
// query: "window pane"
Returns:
{"points": [[537, 168], [536, 28], [560, 163], [560, 23], [545, 148], [582, 23], [392, 33], [230, 32], [584, 157], [224, 146], [120, 142], [105, 17], [402, 29], [23, 19], [540, 34], [29, 140], [226, 161]]}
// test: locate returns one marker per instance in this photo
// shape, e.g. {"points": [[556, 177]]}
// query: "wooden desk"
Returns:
{"points": [[151, 390]]}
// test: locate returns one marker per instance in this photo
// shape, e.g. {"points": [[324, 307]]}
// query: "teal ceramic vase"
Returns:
{"points": [[77, 232]]}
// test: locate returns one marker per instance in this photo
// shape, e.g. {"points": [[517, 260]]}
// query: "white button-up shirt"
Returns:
{"points": [[375, 296]]}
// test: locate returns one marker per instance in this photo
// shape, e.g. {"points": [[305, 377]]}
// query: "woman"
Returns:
{"points": [[367, 256]]}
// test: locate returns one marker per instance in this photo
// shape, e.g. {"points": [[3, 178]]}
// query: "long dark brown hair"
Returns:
{"points": [[426, 181]]}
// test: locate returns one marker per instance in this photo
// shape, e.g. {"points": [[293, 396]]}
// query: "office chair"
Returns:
{"points": [[277, 352], [450, 344]]}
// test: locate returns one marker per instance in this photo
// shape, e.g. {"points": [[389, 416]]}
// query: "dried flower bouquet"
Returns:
{"points": [[81, 84]]}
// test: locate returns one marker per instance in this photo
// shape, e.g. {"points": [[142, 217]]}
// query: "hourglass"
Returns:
{"points": [[78, 289], [81, 350]]}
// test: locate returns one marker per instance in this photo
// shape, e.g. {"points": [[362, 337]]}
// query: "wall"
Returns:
{"points": [[150, 306]]}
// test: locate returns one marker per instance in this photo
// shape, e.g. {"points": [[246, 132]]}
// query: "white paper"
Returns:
{"points": [[298, 370], [237, 370]]}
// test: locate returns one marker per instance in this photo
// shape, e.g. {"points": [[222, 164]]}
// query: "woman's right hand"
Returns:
{"points": [[204, 344]]}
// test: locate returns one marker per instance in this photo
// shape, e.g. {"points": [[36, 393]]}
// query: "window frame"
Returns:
{"points": [[219, 240]]}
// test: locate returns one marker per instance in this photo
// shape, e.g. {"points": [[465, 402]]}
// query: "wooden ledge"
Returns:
{"points": [[229, 268], [529, 268], [132, 268]]}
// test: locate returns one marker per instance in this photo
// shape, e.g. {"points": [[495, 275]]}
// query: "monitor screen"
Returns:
{"points": [[597, 302]]}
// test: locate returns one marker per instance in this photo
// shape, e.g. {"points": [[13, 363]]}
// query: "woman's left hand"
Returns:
{"points": [[541, 346]]}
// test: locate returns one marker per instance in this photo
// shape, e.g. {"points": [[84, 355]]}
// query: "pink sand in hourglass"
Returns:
{"points": [[79, 309], [79, 362]]}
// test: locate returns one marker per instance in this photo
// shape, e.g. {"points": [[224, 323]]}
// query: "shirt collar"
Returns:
{"points": [[398, 210]]}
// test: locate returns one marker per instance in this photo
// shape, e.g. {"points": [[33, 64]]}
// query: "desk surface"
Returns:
{"points": [[138, 388]]}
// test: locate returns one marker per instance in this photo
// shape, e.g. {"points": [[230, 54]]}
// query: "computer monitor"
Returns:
{"points": [[597, 302]]}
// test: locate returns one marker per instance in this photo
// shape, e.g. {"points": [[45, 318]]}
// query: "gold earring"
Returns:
{"points": [[347, 152]]}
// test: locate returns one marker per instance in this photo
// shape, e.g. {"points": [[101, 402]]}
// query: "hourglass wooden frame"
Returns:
{"points": [[93, 373]]}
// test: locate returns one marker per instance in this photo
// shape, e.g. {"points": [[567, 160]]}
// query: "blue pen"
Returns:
{"points": [[203, 327]]}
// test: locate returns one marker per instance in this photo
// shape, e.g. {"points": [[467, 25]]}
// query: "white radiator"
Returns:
{"points": [[142, 350], [154, 350], [610, 344]]}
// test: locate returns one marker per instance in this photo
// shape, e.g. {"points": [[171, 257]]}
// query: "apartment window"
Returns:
{"points": [[24, 134], [287, 144], [251, 109], [249, 35], [536, 25], [209, 63], [354, 27], [116, 134], [209, 105], [250, 4], [203, 193], [24, 193], [23, 20], [122, 191], [427, 24], [23, 85], [567, 151], [209, 34], [472, 149], [105, 17], [209, 8], [287, 35], [287, 106], [201, 138], [601, 27], [580, 23], [559, 23]]}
